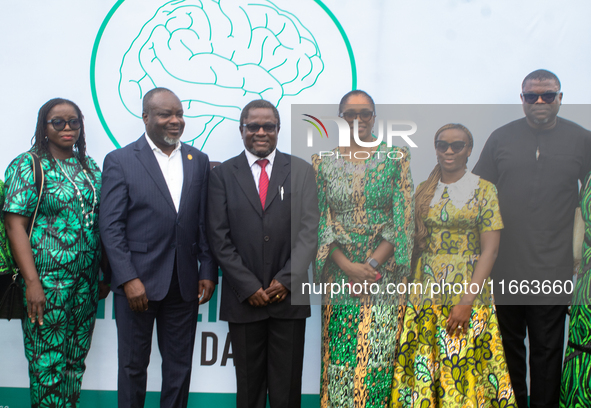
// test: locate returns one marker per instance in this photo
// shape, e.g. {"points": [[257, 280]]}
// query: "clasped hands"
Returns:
{"points": [[276, 292], [360, 273]]}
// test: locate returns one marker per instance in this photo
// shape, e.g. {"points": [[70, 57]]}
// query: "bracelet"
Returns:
{"points": [[332, 250]]}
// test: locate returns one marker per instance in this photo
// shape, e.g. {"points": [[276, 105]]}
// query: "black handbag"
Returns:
{"points": [[11, 291], [11, 303]]}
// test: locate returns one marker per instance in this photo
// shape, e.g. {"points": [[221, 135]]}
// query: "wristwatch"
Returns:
{"points": [[373, 263]]}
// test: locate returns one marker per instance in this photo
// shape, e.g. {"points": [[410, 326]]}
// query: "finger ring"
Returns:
{"points": [[277, 296]]}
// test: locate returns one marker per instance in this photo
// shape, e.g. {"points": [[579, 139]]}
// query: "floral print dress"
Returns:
{"points": [[434, 369], [361, 204]]}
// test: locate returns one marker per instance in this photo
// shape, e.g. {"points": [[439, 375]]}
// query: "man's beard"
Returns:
{"points": [[171, 141], [541, 121], [261, 154]]}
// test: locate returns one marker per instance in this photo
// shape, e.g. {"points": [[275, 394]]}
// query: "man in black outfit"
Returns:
{"points": [[263, 226], [536, 163]]}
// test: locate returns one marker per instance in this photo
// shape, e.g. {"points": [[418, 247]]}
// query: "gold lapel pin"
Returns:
{"points": [[190, 156]]}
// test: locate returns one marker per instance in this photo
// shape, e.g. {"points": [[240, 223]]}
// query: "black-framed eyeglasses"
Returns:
{"points": [[254, 127], [547, 97], [350, 115], [456, 147], [60, 124]]}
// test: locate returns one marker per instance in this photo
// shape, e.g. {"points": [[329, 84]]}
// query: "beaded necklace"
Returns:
{"points": [[79, 194]]}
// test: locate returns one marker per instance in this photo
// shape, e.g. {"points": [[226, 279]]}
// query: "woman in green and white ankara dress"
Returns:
{"points": [[60, 264]]}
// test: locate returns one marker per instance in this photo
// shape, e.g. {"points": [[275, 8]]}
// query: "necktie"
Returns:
{"points": [[263, 181]]}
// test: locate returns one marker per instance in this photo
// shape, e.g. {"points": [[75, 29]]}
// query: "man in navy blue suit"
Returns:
{"points": [[152, 224]]}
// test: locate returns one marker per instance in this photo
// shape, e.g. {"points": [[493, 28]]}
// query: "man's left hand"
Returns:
{"points": [[206, 288], [276, 291]]}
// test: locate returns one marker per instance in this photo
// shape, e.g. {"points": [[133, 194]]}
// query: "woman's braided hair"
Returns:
{"points": [[425, 192]]}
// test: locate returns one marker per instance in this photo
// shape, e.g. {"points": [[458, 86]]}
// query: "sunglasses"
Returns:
{"points": [[547, 97], [267, 127], [351, 115], [60, 124], [456, 147]]}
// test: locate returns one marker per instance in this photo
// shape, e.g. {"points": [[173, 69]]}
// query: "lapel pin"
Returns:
{"points": [[190, 156]]}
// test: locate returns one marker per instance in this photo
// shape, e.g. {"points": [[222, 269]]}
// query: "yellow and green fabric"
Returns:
{"points": [[434, 369]]}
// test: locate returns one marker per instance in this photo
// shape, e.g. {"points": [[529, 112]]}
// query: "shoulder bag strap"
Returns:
{"points": [[39, 178]]}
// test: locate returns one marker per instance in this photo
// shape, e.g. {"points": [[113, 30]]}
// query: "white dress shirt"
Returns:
{"points": [[256, 169], [172, 170]]}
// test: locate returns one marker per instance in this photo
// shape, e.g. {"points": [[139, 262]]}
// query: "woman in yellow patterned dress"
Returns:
{"points": [[365, 239], [450, 352]]}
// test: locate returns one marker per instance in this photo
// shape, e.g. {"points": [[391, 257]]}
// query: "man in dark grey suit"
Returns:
{"points": [[262, 224], [152, 224]]}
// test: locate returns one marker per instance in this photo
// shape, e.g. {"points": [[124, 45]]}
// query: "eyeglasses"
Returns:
{"points": [[547, 97], [351, 115], [267, 127], [60, 124], [456, 147]]}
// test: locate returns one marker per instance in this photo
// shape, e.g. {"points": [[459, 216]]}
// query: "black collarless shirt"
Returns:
{"points": [[536, 173]]}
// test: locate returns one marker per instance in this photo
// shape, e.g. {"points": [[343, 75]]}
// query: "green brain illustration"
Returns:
{"points": [[217, 56]]}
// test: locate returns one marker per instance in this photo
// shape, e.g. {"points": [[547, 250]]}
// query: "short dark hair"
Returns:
{"points": [[540, 75], [354, 93], [150, 94], [259, 104], [41, 144]]}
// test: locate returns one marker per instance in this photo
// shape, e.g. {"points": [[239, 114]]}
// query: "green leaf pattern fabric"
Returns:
{"points": [[66, 249], [6, 262], [362, 204], [576, 376]]}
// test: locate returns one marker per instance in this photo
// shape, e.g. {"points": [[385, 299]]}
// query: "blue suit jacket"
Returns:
{"points": [[141, 229]]}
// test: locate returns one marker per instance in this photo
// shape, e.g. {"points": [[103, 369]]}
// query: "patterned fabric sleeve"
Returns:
{"points": [[21, 194], [92, 165], [96, 172], [6, 265], [326, 235], [401, 235], [489, 216]]}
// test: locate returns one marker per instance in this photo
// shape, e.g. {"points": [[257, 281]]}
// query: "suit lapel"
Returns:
{"points": [[188, 171], [146, 156], [245, 180], [279, 174]]}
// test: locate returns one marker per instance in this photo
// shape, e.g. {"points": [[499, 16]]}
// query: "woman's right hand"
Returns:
{"points": [[360, 272], [16, 231], [35, 302]]}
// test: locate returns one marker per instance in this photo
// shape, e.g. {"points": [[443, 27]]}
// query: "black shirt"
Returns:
{"points": [[536, 173]]}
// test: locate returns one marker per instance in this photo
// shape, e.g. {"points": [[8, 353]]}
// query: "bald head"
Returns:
{"points": [[150, 94]]}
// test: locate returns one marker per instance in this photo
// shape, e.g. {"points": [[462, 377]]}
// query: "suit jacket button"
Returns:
{"points": [[266, 238], [172, 246]]}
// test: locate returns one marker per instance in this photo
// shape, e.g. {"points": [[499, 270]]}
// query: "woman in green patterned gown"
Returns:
{"points": [[576, 376], [59, 265], [365, 238], [450, 352]]}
